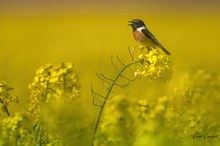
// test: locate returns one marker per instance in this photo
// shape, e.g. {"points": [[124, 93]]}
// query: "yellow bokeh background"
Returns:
{"points": [[88, 35]]}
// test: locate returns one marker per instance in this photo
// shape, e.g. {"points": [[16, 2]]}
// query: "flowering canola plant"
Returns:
{"points": [[153, 65], [50, 83]]}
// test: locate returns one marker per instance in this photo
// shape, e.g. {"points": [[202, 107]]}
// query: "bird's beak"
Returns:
{"points": [[130, 23]]}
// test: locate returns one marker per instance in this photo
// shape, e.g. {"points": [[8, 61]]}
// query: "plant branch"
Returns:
{"points": [[5, 108], [109, 90]]}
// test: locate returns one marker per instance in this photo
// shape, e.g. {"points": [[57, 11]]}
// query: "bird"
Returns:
{"points": [[143, 36]]}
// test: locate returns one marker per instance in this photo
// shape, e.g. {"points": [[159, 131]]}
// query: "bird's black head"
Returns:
{"points": [[136, 23]]}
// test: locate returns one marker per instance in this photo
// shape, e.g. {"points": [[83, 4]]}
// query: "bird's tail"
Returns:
{"points": [[165, 50]]}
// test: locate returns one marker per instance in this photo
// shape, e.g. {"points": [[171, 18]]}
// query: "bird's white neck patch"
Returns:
{"points": [[140, 28]]}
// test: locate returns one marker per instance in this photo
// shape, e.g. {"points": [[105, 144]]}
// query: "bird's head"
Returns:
{"points": [[136, 23]]}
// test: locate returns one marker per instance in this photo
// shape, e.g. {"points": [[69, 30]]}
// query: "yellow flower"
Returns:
{"points": [[50, 83], [154, 66]]}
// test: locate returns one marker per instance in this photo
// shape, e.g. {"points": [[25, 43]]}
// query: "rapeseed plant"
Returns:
{"points": [[55, 117], [6, 98], [17, 130], [154, 65], [146, 63], [188, 116], [50, 83]]}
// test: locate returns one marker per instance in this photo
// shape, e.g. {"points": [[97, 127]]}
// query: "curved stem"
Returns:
{"points": [[5, 108], [107, 95]]}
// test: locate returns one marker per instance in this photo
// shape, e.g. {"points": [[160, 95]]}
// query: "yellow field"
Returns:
{"points": [[89, 39]]}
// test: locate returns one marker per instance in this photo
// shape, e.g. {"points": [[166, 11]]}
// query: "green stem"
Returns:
{"points": [[5, 108], [107, 95]]}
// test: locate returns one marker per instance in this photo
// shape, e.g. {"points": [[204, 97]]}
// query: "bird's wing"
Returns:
{"points": [[150, 36]]}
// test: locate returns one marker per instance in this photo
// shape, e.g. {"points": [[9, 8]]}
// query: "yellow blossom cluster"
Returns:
{"points": [[53, 82], [182, 116], [153, 65], [5, 97], [16, 130]]}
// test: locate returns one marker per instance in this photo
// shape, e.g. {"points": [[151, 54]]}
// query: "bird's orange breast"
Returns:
{"points": [[142, 39]]}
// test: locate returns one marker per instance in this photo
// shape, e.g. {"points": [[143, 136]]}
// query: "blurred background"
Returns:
{"points": [[87, 33]]}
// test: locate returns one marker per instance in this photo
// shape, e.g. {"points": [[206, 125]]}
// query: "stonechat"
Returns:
{"points": [[143, 36]]}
